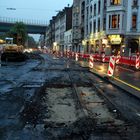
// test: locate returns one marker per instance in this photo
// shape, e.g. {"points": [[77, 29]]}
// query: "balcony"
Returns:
{"points": [[115, 31]]}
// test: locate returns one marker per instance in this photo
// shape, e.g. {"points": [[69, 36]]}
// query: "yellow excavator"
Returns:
{"points": [[12, 52]]}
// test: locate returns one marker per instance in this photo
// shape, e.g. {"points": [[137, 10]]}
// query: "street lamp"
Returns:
{"points": [[11, 8]]}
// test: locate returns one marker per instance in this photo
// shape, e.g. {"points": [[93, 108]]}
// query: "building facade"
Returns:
{"points": [[68, 41], [50, 34], [100, 26], [76, 32], [63, 22], [94, 26], [132, 36], [112, 26]]}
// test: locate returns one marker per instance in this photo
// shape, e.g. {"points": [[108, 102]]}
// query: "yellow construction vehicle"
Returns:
{"points": [[12, 52]]}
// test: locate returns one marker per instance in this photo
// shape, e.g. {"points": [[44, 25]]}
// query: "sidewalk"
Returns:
{"points": [[124, 78]]}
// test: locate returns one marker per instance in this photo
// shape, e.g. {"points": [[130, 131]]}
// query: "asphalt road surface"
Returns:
{"points": [[56, 99]]}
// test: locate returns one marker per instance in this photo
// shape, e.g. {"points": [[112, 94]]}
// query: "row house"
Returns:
{"points": [[48, 36], [110, 26], [123, 26], [50, 33], [98, 26], [59, 24], [76, 31], [132, 36], [94, 25], [68, 41]]}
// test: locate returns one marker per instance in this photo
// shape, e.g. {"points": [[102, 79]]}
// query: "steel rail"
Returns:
{"points": [[109, 126], [108, 98]]}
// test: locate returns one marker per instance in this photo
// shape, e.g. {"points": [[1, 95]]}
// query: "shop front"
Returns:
{"points": [[133, 44], [92, 44], [115, 42], [104, 45]]}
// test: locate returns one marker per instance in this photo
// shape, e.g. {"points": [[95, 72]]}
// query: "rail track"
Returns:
{"points": [[99, 85], [124, 103], [77, 105]]}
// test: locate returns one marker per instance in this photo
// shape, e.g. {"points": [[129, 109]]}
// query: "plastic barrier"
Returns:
{"points": [[122, 60], [76, 56], [111, 66], [118, 59], [103, 57], [91, 61], [137, 62]]}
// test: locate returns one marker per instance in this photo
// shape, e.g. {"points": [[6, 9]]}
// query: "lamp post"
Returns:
{"points": [[11, 8]]}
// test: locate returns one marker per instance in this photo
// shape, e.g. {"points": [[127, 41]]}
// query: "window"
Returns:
{"points": [[114, 21], [134, 21], [87, 29], [104, 24], [94, 9], [94, 26], [118, 21], [91, 11], [99, 5], [109, 21], [105, 4], [98, 25], [87, 11], [90, 27], [115, 2], [135, 3]]}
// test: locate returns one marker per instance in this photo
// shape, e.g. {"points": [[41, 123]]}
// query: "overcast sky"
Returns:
{"points": [[32, 9]]}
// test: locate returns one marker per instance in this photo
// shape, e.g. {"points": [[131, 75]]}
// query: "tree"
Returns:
{"points": [[19, 33], [3, 36], [31, 42]]}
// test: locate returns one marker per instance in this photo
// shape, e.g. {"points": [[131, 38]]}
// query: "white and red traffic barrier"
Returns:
{"points": [[103, 57], [111, 66], [76, 56], [118, 59], [91, 61], [137, 62], [57, 54], [73, 54], [61, 54], [68, 54]]}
